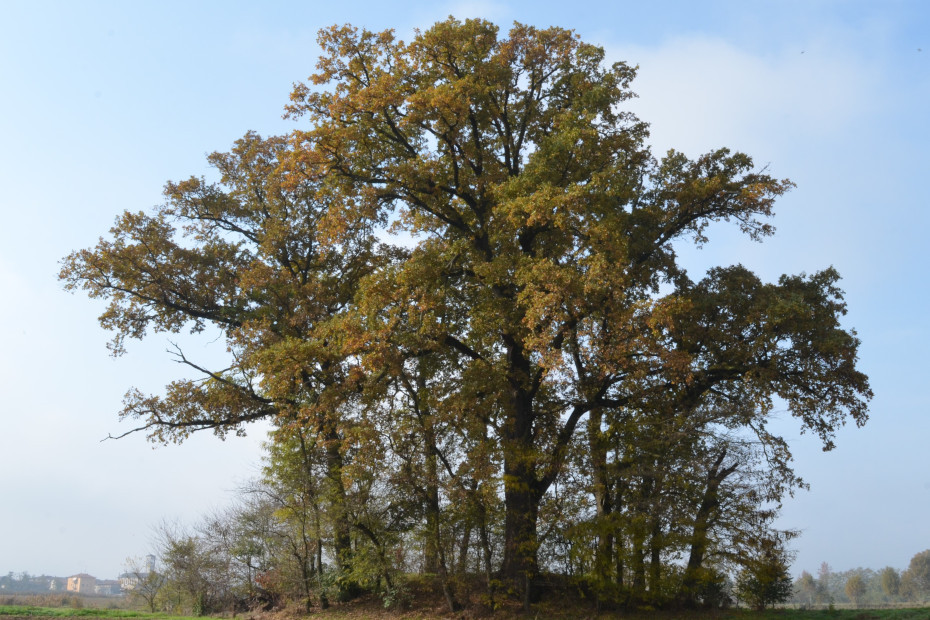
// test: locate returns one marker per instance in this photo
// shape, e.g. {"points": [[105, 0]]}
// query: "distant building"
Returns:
{"points": [[82, 584], [107, 587], [130, 580]]}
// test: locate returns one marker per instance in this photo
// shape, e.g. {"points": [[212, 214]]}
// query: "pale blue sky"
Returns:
{"points": [[103, 102]]}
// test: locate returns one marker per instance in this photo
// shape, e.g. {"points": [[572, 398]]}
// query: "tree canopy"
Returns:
{"points": [[533, 366]]}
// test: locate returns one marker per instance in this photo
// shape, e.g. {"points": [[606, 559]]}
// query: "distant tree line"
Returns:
{"points": [[865, 587], [24, 582]]}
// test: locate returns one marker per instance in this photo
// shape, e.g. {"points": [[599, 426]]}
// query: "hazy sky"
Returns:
{"points": [[103, 102]]}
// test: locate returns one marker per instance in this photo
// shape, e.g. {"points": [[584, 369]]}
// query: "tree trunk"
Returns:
{"points": [[463, 549], [521, 509], [432, 548], [435, 551], [318, 532], [521, 499], [619, 567], [602, 503], [640, 528], [703, 521], [433, 518], [521, 485], [619, 540], [342, 533], [655, 558], [638, 561], [485, 536]]}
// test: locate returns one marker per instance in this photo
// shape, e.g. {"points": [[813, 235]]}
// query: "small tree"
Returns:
{"points": [[806, 588], [145, 584], [764, 580], [855, 588], [916, 579], [825, 587], [196, 576], [891, 582]]}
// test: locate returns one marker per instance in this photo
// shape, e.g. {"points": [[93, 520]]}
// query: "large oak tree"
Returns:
{"points": [[539, 208], [539, 309]]}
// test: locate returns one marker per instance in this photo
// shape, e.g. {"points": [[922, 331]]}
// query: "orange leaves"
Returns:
{"points": [[541, 285]]}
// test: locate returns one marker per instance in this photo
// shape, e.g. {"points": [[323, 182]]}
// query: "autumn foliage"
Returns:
{"points": [[454, 290]]}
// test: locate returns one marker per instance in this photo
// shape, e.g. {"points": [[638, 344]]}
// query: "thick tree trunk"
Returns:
{"points": [[342, 526], [521, 502], [430, 552], [522, 493], [521, 509], [703, 520]]}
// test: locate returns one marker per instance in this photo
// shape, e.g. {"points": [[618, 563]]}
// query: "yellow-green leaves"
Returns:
{"points": [[540, 284]]}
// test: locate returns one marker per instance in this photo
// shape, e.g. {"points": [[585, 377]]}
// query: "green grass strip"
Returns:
{"points": [[86, 612]]}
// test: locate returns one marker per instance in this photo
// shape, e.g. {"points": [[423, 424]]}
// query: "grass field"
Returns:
{"points": [[11, 612], [28, 611]]}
